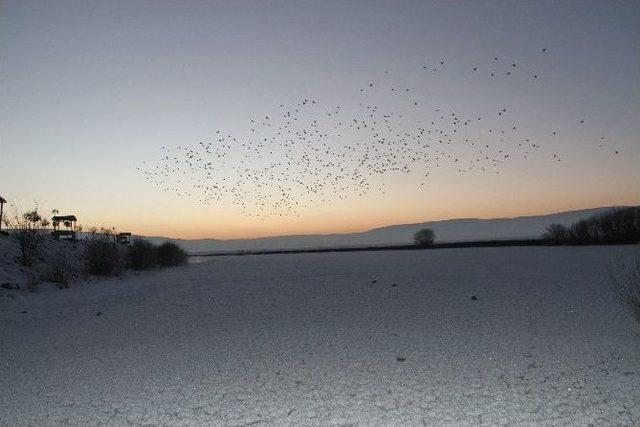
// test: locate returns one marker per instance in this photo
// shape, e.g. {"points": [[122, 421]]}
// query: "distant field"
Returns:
{"points": [[515, 335]]}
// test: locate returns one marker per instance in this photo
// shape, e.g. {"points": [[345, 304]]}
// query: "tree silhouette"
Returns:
{"points": [[424, 238]]}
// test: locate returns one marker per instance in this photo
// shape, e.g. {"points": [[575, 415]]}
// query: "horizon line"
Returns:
{"points": [[384, 226]]}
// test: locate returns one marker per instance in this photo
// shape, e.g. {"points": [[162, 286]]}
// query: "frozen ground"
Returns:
{"points": [[366, 338]]}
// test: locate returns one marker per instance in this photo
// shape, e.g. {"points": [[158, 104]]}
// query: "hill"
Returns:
{"points": [[452, 230]]}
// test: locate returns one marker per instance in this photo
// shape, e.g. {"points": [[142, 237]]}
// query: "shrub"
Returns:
{"points": [[424, 237], [30, 232], [143, 255], [626, 282], [170, 255], [102, 255], [62, 264]]}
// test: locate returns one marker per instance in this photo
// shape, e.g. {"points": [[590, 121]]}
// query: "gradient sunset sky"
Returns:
{"points": [[90, 89]]}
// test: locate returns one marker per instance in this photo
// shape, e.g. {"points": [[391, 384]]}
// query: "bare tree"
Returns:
{"points": [[424, 237], [618, 225], [625, 278], [30, 232], [556, 232]]}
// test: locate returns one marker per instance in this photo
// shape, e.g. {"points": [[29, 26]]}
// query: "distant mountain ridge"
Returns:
{"points": [[450, 230]]}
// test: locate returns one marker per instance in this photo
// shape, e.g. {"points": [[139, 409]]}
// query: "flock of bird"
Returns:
{"points": [[307, 154]]}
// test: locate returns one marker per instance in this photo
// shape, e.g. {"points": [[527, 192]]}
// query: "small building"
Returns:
{"points": [[69, 222], [2, 202], [124, 238]]}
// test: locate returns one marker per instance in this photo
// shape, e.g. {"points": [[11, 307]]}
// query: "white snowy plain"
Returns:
{"points": [[371, 338]]}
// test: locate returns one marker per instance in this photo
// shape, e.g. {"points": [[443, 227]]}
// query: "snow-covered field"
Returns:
{"points": [[332, 338]]}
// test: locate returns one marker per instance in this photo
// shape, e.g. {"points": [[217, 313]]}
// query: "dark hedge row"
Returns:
{"points": [[107, 258], [621, 225]]}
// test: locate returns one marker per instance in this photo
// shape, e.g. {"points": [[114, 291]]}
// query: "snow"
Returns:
{"points": [[309, 339]]}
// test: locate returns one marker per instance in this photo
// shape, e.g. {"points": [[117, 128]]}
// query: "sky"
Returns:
{"points": [[94, 93]]}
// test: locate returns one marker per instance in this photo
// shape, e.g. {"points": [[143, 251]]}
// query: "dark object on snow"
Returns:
{"points": [[394, 285], [401, 359], [99, 313], [9, 285], [474, 298]]}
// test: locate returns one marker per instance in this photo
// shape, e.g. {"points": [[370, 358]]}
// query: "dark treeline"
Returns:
{"points": [[105, 257], [621, 225]]}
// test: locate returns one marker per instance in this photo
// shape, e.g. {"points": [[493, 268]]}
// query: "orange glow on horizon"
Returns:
{"points": [[518, 195], [346, 223]]}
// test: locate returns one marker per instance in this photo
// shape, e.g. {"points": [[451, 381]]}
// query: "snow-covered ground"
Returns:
{"points": [[332, 338]]}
